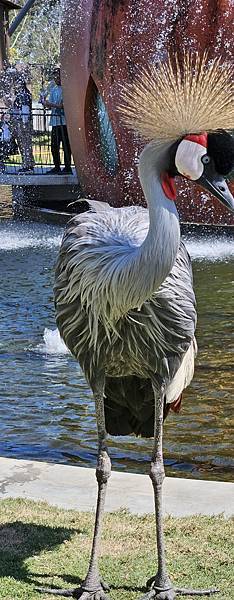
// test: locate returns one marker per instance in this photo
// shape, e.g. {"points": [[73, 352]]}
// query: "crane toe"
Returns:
{"points": [[155, 594], [92, 595], [80, 593]]}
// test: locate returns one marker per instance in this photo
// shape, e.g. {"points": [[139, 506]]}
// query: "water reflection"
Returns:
{"points": [[47, 410]]}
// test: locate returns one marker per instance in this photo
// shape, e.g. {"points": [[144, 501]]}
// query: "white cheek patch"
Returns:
{"points": [[188, 159]]}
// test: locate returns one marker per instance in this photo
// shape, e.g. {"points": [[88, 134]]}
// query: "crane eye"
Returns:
{"points": [[205, 159]]}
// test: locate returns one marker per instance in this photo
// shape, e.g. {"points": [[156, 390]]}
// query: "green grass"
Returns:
{"points": [[45, 546]]}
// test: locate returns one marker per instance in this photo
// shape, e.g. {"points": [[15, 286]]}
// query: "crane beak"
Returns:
{"points": [[216, 184]]}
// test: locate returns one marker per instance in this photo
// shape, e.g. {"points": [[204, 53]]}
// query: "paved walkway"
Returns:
{"points": [[75, 487]]}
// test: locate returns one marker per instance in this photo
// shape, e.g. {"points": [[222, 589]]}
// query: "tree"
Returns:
{"points": [[37, 40]]}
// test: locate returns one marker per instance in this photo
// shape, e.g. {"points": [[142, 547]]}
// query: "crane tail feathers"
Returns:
{"points": [[129, 406]]}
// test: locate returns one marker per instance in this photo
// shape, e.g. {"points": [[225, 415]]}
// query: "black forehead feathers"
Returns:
{"points": [[221, 149]]}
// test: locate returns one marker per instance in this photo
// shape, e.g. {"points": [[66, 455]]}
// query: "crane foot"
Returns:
{"points": [[157, 593], [80, 593]]}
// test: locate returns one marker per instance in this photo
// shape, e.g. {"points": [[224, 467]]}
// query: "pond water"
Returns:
{"points": [[47, 412]]}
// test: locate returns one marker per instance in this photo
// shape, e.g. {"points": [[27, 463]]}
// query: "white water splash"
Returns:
{"points": [[210, 249], [14, 236], [53, 343], [17, 236]]}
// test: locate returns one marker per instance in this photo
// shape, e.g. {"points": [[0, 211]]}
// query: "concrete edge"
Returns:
{"points": [[74, 487]]}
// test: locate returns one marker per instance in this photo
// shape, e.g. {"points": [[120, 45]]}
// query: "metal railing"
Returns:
{"points": [[19, 135]]}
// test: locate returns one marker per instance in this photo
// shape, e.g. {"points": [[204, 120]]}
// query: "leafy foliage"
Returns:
{"points": [[37, 40]]}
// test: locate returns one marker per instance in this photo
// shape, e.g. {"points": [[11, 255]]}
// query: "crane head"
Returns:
{"points": [[187, 103], [205, 158]]}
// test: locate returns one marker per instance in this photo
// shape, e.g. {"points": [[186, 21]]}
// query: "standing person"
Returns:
{"points": [[59, 132], [21, 124]]}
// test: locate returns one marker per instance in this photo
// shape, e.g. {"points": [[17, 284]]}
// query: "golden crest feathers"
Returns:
{"points": [[172, 100]]}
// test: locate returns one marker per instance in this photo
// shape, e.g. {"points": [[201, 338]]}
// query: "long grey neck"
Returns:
{"points": [[156, 256]]}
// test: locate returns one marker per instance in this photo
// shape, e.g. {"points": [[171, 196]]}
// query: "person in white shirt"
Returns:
{"points": [[59, 132]]}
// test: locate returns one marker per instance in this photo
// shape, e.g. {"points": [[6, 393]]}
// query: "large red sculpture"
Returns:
{"points": [[104, 44]]}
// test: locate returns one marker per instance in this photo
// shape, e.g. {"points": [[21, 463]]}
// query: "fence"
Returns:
{"points": [[37, 139]]}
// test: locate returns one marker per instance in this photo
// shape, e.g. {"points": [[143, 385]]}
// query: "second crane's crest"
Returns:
{"points": [[167, 102]]}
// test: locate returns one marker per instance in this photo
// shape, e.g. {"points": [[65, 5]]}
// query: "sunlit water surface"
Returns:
{"points": [[47, 412]]}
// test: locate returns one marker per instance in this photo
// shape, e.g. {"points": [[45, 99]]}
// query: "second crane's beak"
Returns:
{"points": [[216, 184]]}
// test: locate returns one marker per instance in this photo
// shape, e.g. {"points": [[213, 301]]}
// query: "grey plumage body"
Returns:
{"points": [[151, 339]]}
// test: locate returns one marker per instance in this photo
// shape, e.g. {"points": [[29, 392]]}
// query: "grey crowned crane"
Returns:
{"points": [[123, 289]]}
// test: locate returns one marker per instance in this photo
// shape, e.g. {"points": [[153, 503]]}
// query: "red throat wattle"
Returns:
{"points": [[168, 186]]}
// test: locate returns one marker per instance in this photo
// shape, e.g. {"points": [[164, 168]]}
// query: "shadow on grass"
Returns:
{"points": [[20, 541]]}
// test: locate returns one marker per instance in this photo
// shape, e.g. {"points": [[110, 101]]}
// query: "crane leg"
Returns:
{"points": [[93, 588], [161, 587], [93, 584]]}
